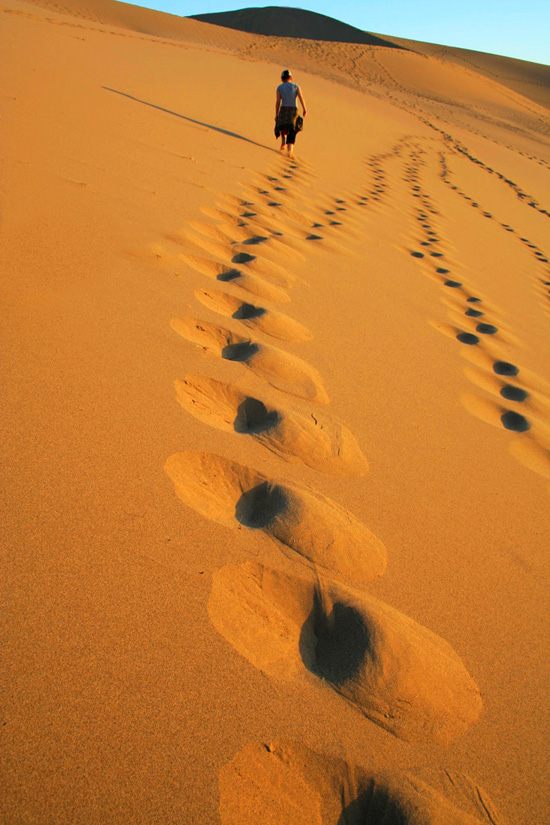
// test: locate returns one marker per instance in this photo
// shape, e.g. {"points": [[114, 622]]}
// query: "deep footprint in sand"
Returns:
{"points": [[316, 440], [242, 278], [307, 526], [282, 370], [266, 320], [287, 783], [242, 255], [394, 671]]}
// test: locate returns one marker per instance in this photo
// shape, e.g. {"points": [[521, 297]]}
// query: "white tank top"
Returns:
{"points": [[288, 92]]}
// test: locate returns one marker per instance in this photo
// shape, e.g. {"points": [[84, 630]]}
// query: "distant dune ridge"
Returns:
{"points": [[530, 79], [279, 21], [275, 430]]}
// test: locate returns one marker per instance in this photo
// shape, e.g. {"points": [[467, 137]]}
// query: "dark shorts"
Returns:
{"points": [[286, 120]]}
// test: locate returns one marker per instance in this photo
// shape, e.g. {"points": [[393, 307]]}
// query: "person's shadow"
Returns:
{"points": [[189, 119]]}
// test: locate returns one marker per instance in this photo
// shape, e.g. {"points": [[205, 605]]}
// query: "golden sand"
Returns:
{"points": [[332, 604]]}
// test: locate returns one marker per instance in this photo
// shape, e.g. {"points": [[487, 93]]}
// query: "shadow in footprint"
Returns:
{"points": [[375, 806], [514, 421], [259, 506], [487, 329], [247, 312], [254, 417], [505, 368], [242, 258], [255, 240], [230, 275], [467, 338], [514, 393], [334, 646], [240, 352]]}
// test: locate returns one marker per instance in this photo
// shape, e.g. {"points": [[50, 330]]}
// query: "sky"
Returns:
{"points": [[514, 28]]}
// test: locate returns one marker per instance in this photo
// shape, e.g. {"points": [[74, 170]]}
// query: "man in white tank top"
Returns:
{"points": [[286, 111]]}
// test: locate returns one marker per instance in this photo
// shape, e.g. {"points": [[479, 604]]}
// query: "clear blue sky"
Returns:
{"points": [[515, 28]]}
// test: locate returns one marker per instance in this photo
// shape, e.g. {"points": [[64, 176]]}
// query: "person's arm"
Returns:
{"points": [[302, 101], [277, 103]]}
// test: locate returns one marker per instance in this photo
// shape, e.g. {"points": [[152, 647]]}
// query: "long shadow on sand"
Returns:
{"points": [[189, 119]]}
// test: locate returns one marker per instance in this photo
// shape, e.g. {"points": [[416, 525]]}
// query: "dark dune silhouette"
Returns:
{"points": [[286, 22]]}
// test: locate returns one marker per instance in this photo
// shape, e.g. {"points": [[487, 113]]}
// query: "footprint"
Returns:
{"points": [[287, 783], [267, 321], [284, 371], [238, 253], [316, 441], [269, 269], [490, 382], [307, 526], [244, 279], [392, 670], [493, 413]]}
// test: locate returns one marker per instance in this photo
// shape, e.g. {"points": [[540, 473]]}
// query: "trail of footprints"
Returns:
{"points": [[317, 623], [521, 403]]}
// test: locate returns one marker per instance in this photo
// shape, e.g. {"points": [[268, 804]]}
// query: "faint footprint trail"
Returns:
{"points": [[521, 403], [542, 280]]}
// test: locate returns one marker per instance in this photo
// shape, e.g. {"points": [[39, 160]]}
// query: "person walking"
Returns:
{"points": [[286, 111]]}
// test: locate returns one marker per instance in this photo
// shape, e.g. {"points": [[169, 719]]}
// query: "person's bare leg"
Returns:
{"points": [[290, 149]]}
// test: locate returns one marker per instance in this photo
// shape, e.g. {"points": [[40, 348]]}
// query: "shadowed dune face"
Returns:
{"points": [[395, 672], [286, 783], [275, 21]]}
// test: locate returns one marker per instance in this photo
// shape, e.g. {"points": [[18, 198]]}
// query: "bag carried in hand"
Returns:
{"points": [[299, 124]]}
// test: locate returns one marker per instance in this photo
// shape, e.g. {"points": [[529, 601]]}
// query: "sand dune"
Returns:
{"points": [[310, 585], [273, 22]]}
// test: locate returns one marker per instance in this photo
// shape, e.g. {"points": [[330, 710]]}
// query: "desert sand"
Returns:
{"points": [[276, 433]]}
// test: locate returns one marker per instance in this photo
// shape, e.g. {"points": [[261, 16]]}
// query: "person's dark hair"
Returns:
{"points": [[286, 75]]}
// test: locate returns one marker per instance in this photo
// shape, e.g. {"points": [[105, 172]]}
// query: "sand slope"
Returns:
{"points": [[312, 580]]}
